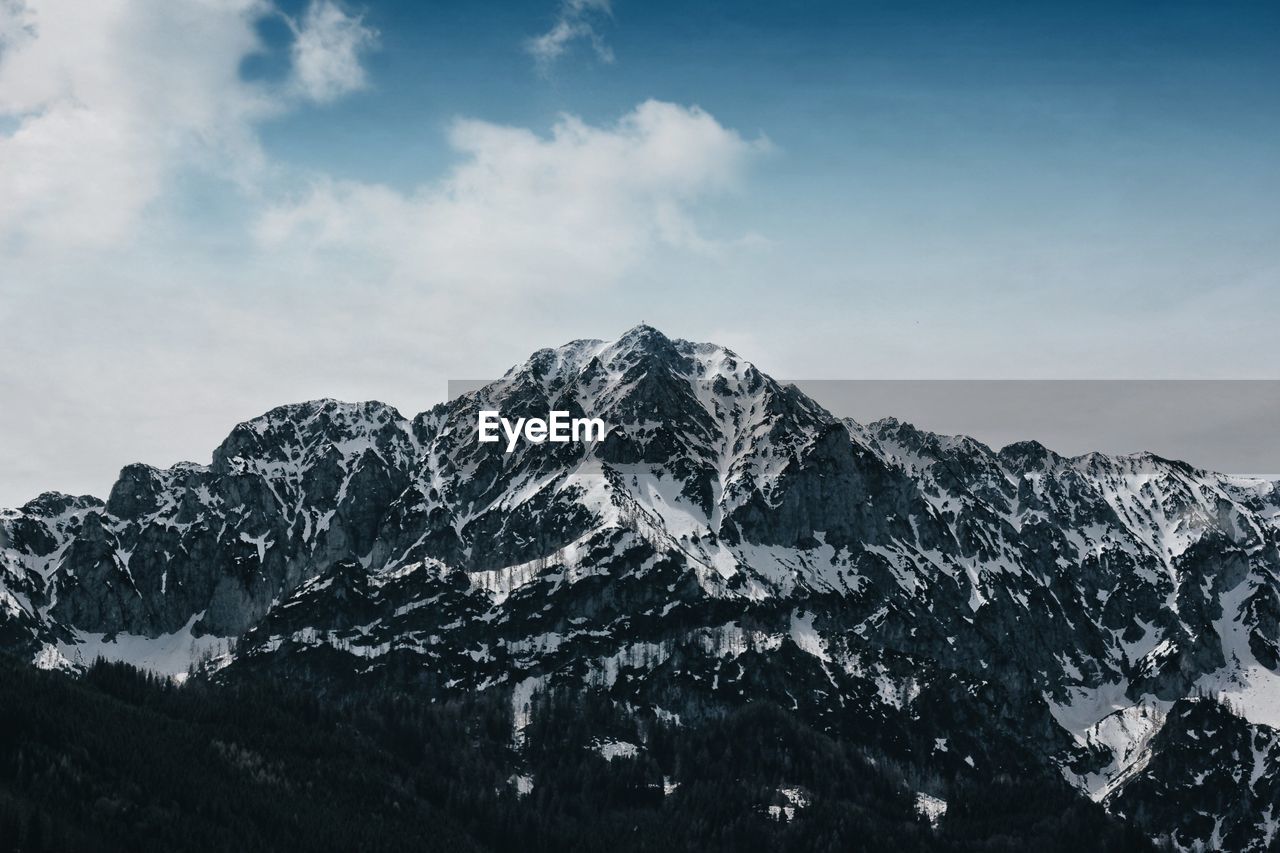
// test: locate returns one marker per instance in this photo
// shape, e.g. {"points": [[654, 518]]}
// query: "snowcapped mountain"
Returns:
{"points": [[1110, 621]]}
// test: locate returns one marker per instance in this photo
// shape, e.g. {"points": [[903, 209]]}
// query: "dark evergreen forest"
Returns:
{"points": [[121, 760]]}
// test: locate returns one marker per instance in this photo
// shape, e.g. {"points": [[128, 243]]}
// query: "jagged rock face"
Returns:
{"points": [[286, 495], [966, 610], [31, 540], [1207, 775]]}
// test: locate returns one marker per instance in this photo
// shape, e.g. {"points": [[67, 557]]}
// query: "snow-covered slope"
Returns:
{"points": [[968, 611]]}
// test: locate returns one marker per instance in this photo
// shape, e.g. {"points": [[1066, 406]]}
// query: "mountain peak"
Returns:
{"points": [[643, 346], [644, 334], [54, 503], [1028, 455]]}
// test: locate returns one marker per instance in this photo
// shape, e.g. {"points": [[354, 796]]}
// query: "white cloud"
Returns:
{"points": [[15, 24], [327, 52], [575, 20], [111, 101], [521, 211]]}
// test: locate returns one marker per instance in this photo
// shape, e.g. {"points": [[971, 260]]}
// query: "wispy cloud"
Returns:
{"points": [[103, 106], [576, 21], [327, 52], [108, 100], [525, 212]]}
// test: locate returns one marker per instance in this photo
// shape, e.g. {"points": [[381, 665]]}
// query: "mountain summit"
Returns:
{"points": [[963, 611]]}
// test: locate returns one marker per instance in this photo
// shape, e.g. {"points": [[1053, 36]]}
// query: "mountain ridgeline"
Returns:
{"points": [[989, 647]]}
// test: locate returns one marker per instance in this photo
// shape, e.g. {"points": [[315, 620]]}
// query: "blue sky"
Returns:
{"points": [[923, 93], [930, 129], [207, 209]]}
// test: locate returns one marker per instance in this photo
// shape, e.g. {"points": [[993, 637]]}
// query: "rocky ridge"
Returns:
{"points": [[965, 610]]}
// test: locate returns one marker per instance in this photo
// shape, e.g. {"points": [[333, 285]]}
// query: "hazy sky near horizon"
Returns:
{"points": [[211, 207]]}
